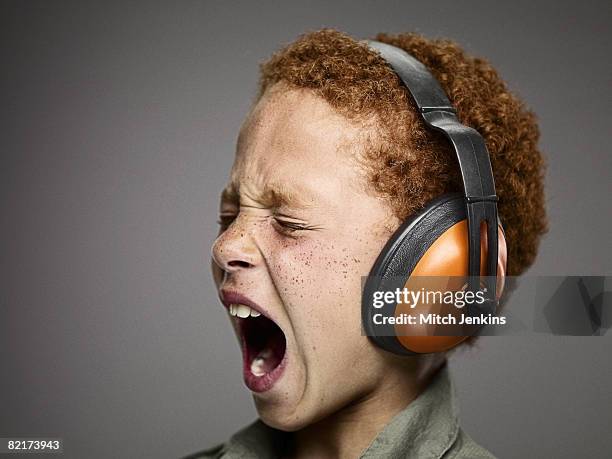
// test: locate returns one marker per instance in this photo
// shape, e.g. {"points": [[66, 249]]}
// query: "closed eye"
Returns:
{"points": [[281, 224], [289, 225], [225, 220], [291, 228]]}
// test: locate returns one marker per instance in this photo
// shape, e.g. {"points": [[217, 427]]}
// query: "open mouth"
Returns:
{"points": [[263, 347]]}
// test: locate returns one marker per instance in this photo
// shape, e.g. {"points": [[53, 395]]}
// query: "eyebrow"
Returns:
{"points": [[273, 195]]}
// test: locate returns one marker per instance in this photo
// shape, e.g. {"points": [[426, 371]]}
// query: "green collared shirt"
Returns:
{"points": [[427, 428]]}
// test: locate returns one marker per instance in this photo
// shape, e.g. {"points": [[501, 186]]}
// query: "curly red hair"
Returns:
{"points": [[407, 163]]}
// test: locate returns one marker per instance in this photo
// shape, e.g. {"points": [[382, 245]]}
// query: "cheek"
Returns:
{"points": [[321, 279], [297, 266]]}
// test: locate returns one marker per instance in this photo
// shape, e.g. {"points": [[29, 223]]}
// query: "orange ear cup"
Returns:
{"points": [[448, 256]]}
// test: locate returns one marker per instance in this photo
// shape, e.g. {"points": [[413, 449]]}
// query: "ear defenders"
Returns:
{"points": [[457, 234]]}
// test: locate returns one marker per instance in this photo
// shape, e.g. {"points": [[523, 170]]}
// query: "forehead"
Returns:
{"points": [[293, 144]]}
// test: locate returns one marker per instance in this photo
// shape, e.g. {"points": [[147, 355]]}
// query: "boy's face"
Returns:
{"points": [[300, 233]]}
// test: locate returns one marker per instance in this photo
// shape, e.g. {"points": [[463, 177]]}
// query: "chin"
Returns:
{"points": [[281, 417]]}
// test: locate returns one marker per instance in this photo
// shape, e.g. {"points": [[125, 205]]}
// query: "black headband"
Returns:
{"points": [[472, 154]]}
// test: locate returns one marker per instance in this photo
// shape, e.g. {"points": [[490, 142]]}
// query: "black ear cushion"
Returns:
{"points": [[401, 254], [412, 239]]}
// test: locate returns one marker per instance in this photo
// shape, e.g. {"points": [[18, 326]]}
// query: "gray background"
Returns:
{"points": [[118, 129]]}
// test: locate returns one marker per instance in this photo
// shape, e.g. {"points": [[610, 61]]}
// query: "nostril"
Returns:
{"points": [[239, 264]]}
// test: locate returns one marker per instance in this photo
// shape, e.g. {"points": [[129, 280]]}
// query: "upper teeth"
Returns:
{"points": [[243, 311]]}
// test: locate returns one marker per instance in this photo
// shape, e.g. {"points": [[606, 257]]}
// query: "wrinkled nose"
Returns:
{"points": [[235, 248]]}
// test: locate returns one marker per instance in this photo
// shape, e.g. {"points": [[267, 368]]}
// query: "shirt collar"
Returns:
{"points": [[426, 428]]}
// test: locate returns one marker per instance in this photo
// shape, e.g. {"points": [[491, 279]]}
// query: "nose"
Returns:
{"points": [[235, 249]]}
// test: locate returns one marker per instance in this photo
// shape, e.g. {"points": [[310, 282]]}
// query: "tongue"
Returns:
{"points": [[268, 358], [262, 364], [265, 343]]}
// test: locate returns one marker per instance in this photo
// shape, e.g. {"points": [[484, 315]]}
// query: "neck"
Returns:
{"points": [[350, 430]]}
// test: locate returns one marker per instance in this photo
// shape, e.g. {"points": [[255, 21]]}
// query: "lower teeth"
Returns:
{"points": [[258, 364]]}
